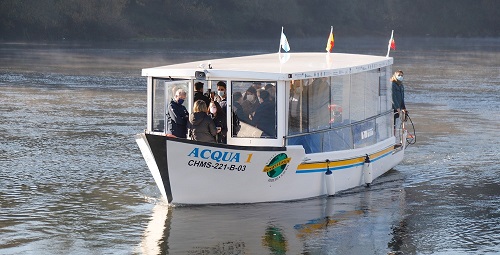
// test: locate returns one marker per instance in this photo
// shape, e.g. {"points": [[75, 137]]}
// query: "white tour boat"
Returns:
{"points": [[329, 128]]}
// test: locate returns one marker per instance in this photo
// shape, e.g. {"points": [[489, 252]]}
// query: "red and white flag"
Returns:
{"points": [[392, 44]]}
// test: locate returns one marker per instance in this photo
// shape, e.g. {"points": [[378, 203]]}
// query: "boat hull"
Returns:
{"points": [[190, 172]]}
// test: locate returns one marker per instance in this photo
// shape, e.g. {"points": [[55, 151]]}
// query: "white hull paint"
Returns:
{"points": [[189, 172]]}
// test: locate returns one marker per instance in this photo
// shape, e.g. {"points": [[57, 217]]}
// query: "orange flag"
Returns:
{"points": [[331, 41]]}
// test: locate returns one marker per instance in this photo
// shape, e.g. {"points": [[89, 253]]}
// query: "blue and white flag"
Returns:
{"points": [[284, 42]]}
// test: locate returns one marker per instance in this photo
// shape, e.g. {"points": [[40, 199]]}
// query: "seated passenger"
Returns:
{"points": [[265, 116], [201, 126]]}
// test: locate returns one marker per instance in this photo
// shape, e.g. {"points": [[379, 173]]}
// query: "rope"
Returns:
{"points": [[411, 137]]}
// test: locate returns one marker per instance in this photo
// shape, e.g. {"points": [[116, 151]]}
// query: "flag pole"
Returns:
{"points": [[389, 45], [279, 48]]}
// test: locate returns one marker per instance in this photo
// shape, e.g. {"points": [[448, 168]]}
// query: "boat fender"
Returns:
{"points": [[329, 180], [367, 171]]}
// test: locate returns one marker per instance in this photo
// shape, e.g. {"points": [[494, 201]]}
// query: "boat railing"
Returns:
{"points": [[316, 143]]}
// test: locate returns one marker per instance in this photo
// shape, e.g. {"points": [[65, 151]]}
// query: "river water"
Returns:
{"points": [[72, 180]]}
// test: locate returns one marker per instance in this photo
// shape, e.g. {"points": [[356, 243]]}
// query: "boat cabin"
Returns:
{"points": [[322, 101]]}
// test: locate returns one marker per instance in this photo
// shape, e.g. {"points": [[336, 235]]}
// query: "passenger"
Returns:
{"points": [[201, 126], [272, 91], [251, 102], [257, 86], [220, 122], [265, 116], [198, 93], [221, 92], [398, 96], [238, 108], [211, 95], [177, 115], [398, 93]]}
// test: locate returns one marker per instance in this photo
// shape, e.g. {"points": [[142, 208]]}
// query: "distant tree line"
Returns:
{"points": [[142, 19]]}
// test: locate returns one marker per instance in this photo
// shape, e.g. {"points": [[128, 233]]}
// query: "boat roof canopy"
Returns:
{"points": [[274, 66]]}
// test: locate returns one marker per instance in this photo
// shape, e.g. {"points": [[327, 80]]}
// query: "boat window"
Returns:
{"points": [[254, 104], [158, 105], [163, 92], [372, 93], [298, 119], [385, 87], [357, 97], [319, 103], [340, 112], [364, 95], [340, 100], [384, 124]]}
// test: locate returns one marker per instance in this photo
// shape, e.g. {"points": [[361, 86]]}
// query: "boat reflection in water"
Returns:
{"points": [[359, 221]]}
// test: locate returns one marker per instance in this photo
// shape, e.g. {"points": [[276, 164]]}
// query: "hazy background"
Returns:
{"points": [[31, 20]]}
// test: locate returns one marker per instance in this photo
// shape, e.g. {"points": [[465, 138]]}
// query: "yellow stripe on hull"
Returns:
{"points": [[340, 164]]}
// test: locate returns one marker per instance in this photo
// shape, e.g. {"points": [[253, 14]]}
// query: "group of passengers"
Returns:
{"points": [[208, 122], [256, 107]]}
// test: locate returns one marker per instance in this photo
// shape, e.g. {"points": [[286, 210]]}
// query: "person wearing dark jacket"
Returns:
{"points": [[201, 126], [177, 115], [398, 94], [265, 116], [250, 102], [221, 92], [198, 93], [398, 91], [238, 108], [219, 118]]}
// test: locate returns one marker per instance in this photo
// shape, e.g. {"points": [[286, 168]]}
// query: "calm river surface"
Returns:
{"points": [[72, 179]]}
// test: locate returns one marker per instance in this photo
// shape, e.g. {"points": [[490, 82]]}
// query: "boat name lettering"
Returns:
{"points": [[216, 155]]}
